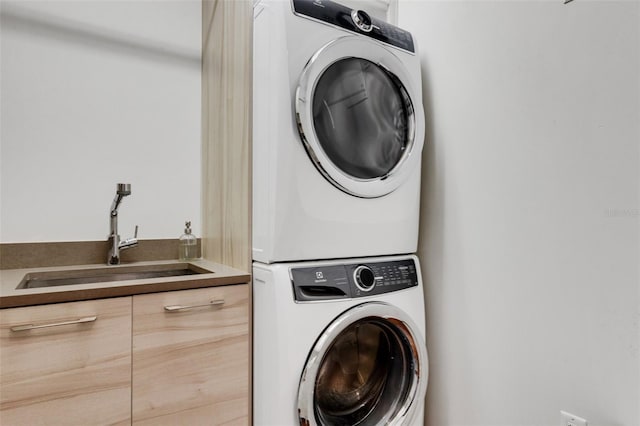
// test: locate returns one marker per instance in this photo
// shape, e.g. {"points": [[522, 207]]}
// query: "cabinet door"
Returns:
{"points": [[191, 357], [66, 364]]}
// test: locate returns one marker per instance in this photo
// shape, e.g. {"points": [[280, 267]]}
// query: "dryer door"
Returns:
{"points": [[369, 367], [359, 116]]}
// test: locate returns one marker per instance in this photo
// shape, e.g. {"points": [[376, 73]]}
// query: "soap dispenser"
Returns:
{"points": [[188, 247]]}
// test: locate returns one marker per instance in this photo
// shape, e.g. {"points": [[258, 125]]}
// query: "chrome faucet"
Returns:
{"points": [[113, 258]]}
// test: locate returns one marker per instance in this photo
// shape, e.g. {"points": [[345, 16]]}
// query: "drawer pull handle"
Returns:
{"points": [[27, 327], [179, 308]]}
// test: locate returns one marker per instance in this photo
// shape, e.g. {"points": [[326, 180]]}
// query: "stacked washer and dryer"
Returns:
{"points": [[338, 129]]}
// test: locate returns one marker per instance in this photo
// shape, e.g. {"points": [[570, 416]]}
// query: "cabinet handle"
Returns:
{"points": [[26, 327], [178, 308]]}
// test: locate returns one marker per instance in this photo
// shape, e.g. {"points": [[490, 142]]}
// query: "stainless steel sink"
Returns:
{"points": [[108, 274]]}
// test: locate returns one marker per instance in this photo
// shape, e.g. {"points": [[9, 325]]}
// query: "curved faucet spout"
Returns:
{"points": [[116, 203], [122, 191]]}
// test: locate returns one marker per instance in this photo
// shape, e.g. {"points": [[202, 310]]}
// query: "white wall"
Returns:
{"points": [[530, 229], [95, 93]]}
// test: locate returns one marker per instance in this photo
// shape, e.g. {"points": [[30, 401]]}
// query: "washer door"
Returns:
{"points": [[369, 367], [357, 116]]}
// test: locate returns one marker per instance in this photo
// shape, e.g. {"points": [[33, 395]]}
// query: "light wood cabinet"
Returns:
{"points": [[179, 357], [191, 357], [68, 363]]}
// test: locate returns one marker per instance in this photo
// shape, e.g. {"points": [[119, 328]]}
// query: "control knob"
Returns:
{"points": [[362, 20], [364, 277]]}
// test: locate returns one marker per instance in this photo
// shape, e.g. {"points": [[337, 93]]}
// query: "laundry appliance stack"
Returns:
{"points": [[338, 129]]}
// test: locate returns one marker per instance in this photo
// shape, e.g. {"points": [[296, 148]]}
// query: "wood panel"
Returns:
{"points": [[191, 367], [226, 131], [78, 374]]}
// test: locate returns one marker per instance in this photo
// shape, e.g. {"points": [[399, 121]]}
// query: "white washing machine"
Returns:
{"points": [[338, 130], [339, 343]]}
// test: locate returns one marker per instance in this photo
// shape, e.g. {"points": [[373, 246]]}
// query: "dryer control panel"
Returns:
{"points": [[357, 21], [344, 281]]}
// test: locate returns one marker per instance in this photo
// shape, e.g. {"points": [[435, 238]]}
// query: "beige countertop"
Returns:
{"points": [[216, 274]]}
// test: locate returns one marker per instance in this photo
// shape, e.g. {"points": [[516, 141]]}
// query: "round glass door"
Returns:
{"points": [[361, 118], [357, 117], [368, 368]]}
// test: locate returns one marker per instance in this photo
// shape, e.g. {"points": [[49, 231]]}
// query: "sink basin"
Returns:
{"points": [[108, 274]]}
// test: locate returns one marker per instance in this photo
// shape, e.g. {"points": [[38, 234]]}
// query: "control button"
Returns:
{"points": [[364, 277], [362, 20]]}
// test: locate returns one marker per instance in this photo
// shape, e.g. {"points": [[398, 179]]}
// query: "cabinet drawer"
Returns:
{"points": [[67, 363], [191, 356]]}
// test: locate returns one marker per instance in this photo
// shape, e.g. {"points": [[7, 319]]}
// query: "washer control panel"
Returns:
{"points": [[357, 21], [344, 281]]}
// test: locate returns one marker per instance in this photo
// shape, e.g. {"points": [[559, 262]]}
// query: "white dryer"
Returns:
{"points": [[338, 130], [339, 343]]}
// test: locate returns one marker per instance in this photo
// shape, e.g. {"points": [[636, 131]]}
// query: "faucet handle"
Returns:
{"points": [[129, 242]]}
